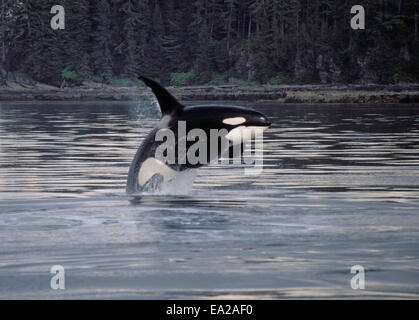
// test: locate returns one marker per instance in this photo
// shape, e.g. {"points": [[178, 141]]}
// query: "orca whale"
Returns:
{"points": [[148, 173]]}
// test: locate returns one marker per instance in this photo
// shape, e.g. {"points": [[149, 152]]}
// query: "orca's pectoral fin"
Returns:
{"points": [[154, 183], [168, 103]]}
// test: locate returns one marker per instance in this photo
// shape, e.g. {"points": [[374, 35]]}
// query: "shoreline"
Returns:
{"points": [[406, 93]]}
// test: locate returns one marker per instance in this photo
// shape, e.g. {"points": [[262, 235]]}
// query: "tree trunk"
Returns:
{"points": [[317, 15], [249, 31], [382, 11], [297, 22], [230, 17], [282, 28], [3, 32], [244, 25], [335, 24]]}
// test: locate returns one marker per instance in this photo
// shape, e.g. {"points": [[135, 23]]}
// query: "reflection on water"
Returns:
{"points": [[339, 188]]}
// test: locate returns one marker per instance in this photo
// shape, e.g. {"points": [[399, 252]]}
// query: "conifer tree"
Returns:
{"points": [[261, 38], [130, 22], [102, 50]]}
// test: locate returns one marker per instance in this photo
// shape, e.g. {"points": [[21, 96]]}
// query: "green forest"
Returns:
{"points": [[186, 42]]}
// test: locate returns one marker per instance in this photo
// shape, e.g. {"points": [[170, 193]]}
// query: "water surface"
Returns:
{"points": [[339, 188]]}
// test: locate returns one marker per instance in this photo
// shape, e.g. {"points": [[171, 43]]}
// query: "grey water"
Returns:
{"points": [[340, 187]]}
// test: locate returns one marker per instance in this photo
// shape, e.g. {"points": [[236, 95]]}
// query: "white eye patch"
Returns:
{"points": [[234, 121]]}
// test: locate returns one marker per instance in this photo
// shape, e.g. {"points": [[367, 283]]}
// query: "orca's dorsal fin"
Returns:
{"points": [[168, 103]]}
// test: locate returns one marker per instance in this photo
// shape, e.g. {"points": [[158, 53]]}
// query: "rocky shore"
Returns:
{"points": [[406, 93]]}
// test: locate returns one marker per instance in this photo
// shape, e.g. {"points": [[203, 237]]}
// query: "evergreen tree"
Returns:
{"points": [[130, 22], [251, 39], [101, 54], [154, 57], [143, 36], [77, 36], [203, 55]]}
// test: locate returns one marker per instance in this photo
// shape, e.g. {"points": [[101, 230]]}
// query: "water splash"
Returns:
{"points": [[180, 185], [148, 108]]}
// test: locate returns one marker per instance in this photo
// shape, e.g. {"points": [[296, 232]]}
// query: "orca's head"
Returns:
{"points": [[234, 119]]}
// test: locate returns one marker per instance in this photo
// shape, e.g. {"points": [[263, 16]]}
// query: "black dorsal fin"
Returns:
{"points": [[168, 103]]}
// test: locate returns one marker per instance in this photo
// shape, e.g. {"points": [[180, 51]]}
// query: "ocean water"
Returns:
{"points": [[340, 187]]}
